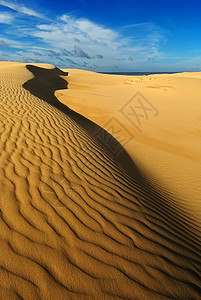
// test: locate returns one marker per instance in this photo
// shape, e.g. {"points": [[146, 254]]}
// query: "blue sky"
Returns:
{"points": [[102, 35]]}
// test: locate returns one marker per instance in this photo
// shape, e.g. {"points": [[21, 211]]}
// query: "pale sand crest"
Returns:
{"points": [[76, 221]]}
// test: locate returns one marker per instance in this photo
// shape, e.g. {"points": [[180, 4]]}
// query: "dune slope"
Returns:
{"points": [[74, 224], [157, 120]]}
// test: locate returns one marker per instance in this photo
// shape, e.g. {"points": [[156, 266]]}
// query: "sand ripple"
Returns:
{"points": [[73, 223]]}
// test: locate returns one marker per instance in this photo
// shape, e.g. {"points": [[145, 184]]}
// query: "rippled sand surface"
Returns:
{"points": [[77, 221]]}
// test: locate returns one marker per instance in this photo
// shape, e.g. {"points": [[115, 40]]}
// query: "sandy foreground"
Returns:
{"points": [[100, 194]]}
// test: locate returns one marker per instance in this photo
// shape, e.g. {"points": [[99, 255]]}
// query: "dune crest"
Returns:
{"points": [[74, 222]]}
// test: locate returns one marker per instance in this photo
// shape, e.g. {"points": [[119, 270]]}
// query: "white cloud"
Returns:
{"points": [[89, 30], [10, 43], [6, 18], [69, 30], [137, 44], [83, 43], [21, 8], [4, 44]]}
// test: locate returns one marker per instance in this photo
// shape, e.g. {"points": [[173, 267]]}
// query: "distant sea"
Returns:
{"points": [[137, 73]]}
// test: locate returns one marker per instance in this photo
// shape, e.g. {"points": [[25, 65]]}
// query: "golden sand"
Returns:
{"points": [[79, 220], [166, 145]]}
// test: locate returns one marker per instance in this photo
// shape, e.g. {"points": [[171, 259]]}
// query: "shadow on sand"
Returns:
{"points": [[45, 83], [157, 199]]}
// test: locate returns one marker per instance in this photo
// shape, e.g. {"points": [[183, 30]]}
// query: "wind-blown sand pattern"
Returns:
{"points": [[75, 222]]}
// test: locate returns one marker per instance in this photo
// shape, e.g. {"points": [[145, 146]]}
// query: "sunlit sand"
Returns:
{"points": [[92, 213]]}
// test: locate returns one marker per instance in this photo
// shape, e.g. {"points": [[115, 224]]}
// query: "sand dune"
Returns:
{"points": [[165, 144], [78, 221]]}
